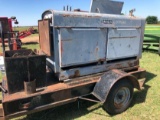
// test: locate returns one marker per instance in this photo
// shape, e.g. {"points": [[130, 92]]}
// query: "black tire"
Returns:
{"points": [[119, 98]]}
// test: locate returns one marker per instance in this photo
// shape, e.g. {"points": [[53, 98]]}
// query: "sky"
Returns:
{"points": [[28, 12]]}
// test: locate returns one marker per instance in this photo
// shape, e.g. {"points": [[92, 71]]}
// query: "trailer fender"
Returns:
{"points": [[107, 81]]}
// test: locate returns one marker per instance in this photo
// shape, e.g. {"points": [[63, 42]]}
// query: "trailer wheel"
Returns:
{"points": [[119, 98]]}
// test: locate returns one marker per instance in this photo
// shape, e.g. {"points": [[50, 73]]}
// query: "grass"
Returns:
{"points": [[154, 32], [152, 29], [30, 46]]}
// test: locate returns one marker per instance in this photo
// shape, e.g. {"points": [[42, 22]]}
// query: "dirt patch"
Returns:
{"points": [[30, 39]]}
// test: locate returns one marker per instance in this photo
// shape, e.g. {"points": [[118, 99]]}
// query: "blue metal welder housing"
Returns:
{"points": [[82, 41]]}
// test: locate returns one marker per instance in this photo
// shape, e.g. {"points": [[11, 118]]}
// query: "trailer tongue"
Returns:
{"points": [[86, 53]]}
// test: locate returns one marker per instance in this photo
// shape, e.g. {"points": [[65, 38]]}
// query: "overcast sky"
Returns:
{"points": [[28, 12]]}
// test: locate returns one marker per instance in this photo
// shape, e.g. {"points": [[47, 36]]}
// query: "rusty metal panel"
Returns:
{"points": [[24, 65], [106, 6], [123, 43], [44, 36], [82, 46]]}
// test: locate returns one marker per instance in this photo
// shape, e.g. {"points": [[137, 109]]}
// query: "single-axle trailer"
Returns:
{"points": [[86, 53], [114, 89]]}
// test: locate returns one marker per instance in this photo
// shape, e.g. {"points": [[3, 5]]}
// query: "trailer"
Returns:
{"points": [[82, 53]]}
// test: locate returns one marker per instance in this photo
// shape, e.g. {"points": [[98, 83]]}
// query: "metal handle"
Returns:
{"points": [[2, 89], [127, 27]]}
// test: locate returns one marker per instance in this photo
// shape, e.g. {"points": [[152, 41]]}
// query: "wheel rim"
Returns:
{"points": [[122, 97]]}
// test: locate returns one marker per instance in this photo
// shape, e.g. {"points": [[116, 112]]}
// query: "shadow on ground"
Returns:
{"points": [[28, 43], [140, 96], [66, 112], [150, 51]]}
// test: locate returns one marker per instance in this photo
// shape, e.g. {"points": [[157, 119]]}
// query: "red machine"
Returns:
{"points": [[27, 32]]}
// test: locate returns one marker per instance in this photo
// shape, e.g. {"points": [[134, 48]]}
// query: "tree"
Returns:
{"points": [[152, 20]]}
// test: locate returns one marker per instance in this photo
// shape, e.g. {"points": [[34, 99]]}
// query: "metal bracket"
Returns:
{"points": [[88, 99]]}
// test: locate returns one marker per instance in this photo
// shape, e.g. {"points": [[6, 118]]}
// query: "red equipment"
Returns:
{"points": [[26, 33], [15, 45]]}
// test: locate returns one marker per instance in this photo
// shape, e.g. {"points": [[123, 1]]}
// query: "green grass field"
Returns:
{"points": [[152, 29], [152, 35], [145, 104]]}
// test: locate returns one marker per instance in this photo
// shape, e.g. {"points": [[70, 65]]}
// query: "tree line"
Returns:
{"points": [[152, 20]]}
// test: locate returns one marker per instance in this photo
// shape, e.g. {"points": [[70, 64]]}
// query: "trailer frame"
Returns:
{"points": [[59, 93]]}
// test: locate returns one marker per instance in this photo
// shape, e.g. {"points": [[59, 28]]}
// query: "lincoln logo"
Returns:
{"points": [[107, 21]]}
